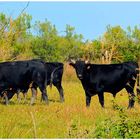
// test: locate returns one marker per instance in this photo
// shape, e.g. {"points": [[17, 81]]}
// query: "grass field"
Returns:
{"points": [[70, 119]]}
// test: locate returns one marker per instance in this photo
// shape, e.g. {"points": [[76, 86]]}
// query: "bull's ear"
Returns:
{"points": [[71, 62], [87, 64]]}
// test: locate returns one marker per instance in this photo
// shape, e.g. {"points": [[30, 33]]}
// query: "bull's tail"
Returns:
{"points": [[138, 82], [52, 75]]}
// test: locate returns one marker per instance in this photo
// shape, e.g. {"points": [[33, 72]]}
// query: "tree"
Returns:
{"points": [[73, 46], [5, 46], [114, 39], [45, 45]]}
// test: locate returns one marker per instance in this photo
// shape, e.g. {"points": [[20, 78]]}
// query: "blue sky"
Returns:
{"points": [[88, 18]]}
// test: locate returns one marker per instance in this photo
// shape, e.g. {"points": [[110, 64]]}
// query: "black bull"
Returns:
{"points": [[37, 72], [97, 79]]}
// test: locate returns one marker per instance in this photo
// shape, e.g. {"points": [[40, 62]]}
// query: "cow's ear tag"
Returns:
{"points": [[88, 67]]}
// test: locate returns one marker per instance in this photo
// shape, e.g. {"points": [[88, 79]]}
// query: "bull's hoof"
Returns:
{"points": [[6, 103], [62, 100], [31, 104], [87, 106], [32, 101], [47, 102], [130, 107]]}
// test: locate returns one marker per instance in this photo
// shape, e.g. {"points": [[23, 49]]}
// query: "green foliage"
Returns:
{"points": [[45, 45], [4, 22], [73, 44], [119, 127], [49, 46], [20, 39]]}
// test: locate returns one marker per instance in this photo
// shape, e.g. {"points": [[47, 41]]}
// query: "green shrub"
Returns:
{"points": [[122, 127]]}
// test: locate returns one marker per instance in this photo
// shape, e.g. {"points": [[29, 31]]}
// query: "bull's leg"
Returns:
{"points": [[34, 85], [24, 96], [33, 95], [88, 99], [101, 98], [41, 99], [6, 98], [18, 96], [129, 88], [60, 89], [44, 94]]}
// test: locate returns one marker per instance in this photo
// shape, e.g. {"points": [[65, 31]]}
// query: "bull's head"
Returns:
{"points": [[80, 66]]}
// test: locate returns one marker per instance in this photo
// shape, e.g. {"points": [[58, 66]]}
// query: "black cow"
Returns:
{"points": [[54, 76], [20, 74], [97, 79], [54, 72]]}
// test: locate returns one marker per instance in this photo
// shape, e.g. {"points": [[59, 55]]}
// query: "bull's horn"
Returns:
{"points": [[72, 61], [86, 62]]}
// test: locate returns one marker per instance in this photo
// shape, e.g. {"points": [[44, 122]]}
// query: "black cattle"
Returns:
{"points": [[54, 72], [97, 79], [20, 74], [54, 76]]}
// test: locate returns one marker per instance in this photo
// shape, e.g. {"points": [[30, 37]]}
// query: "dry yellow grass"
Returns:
{"points": [[58, 119]]}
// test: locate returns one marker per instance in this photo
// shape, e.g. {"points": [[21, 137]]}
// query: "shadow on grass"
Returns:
{"points": [[53, 100]]}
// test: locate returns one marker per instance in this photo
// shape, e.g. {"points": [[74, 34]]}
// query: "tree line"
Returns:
{"points": [[19, 40]]}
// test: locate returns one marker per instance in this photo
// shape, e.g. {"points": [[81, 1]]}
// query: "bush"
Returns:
{"points": [[122, 127]]}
